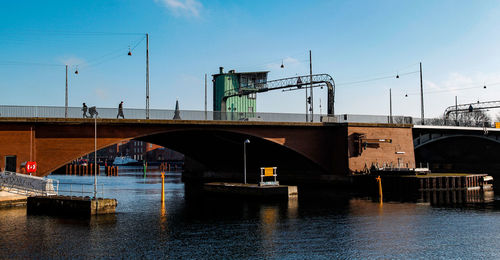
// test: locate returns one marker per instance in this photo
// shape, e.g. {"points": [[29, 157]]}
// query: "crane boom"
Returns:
{"points": [[470, 106], [292, 83]]}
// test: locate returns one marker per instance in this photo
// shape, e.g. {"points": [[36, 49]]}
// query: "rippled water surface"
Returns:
{"points": [[317, 225]]}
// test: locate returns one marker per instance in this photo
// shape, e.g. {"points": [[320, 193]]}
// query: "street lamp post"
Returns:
{"points": [[147, 76], [66, 95], [421, 96], [95, 158], [245, 160], [147, 73], [390, 106]]}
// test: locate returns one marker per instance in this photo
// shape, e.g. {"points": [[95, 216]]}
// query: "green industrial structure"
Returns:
{"points": [[228, 84]]}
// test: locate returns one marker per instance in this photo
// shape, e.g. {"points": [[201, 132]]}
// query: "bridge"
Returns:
{"points": [[457, 149], [301, 150]]}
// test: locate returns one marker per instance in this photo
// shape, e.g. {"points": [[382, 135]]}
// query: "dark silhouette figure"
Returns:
{"points": [[177, 112], [120, 111], [93, 111], [84, 109]]}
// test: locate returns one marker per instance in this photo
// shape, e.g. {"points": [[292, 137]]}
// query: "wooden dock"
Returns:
{"points": [[435, 188]]}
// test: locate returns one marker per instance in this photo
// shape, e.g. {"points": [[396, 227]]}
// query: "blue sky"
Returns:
{"points": [[457, 42]]}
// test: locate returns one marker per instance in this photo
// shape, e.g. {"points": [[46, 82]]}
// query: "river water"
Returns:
{"points": [[319, 225]]}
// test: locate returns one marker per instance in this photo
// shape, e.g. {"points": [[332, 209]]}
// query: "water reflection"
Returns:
{"points": [[163, 218], [456, 197], [269, 216], [293, 207], [320, 223]]}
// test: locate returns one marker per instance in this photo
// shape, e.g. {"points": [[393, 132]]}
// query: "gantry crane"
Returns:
{"points": [[292, 83], [471, 107]]}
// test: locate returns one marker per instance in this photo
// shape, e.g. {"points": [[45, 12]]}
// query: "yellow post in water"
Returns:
{"points": [[162, 187], [379, 180]]}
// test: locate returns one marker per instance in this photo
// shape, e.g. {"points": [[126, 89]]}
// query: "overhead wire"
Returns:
{"points": [[24, 63], [93, 62], [452, 89], [66, 33], [109, 56], [373, 79], [386, 74], [270, 62]]}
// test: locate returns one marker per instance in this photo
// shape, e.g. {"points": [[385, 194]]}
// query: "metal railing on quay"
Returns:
{"points": [[27, 185], [80, 190], [166, 114]]}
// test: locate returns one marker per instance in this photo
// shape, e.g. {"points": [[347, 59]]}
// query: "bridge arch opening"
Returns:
{"points": [[220, 153], [460, 153]]}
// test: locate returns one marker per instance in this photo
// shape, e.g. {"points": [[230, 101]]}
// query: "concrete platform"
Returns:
{"points": [[11, 200], [251, 190], [65, 205]]}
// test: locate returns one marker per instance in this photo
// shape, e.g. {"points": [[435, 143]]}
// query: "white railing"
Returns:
{"points": [[27, 185], [166, 114]]}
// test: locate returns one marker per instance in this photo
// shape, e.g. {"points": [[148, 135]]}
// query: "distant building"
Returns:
{"points": [[240, 106], [137, 150]]}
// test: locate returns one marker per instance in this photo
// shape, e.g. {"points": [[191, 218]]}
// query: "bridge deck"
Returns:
{"points": [[188, 122]]}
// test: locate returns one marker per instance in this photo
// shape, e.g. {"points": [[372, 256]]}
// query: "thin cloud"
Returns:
{"points": [[456, 80], [183, 7], [102, 94]]}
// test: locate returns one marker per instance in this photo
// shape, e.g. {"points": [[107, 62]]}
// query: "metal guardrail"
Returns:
{"points": [[165, 114], [80, 189], [27, 185]]}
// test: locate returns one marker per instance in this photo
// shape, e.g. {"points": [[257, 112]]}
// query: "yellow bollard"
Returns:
{"points": [[379, 180], [162, 187]]}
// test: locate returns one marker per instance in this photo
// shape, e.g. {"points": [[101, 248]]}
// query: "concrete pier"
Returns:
{"points": [[251, 190], [65, 205], [11, 200]]}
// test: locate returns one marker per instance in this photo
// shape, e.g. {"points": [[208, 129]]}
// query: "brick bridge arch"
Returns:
{"points": [[324, 151], [55, 142]]}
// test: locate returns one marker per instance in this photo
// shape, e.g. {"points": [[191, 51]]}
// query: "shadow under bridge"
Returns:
{"points": [[218, 155]]}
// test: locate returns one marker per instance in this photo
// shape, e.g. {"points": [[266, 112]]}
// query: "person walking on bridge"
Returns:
{"points": [[120, 111], [84, 109]]}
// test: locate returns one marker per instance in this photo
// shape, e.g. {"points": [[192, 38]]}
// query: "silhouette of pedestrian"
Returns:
{"points": [[93, 111], [84, 109], [120, 111]]}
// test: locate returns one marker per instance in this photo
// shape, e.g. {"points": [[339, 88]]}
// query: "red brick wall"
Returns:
{"points": [[15, 140], [402, 141], [59, 141]]}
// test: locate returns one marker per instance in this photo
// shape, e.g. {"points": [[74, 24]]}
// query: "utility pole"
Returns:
{"points": [[307, 110], [390, 106], [66, 95], [95, 159], [147, 76], [205, 96], [247, 141], [310, 80], [421, 95], [456, 111]]}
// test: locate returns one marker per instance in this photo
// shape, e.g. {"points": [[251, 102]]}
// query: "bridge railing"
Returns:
{"points": [[166, 114]]}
